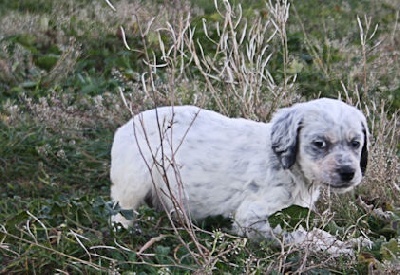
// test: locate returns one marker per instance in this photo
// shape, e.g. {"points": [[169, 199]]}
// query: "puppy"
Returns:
{"points": [[207, 164]]}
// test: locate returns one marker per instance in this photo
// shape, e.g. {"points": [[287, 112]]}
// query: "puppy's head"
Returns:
{"points": [[327, 138]]}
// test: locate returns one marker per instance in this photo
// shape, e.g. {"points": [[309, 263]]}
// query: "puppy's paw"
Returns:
{"points": [[320, 240], [119, 222]]}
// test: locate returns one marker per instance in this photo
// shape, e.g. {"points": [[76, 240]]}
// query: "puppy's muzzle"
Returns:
{"points": [[346, 173]]}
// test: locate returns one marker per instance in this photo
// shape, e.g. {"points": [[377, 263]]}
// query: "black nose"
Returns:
{"points": [[346, 173]]}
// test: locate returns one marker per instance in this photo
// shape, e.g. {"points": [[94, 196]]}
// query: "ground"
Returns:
{"points": [[64, 66]]}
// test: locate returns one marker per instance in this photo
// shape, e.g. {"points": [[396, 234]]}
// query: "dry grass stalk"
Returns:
{"points": [[365, 37]]}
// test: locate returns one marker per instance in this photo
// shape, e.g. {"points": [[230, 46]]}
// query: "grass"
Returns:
{"points": [[63, 66]]}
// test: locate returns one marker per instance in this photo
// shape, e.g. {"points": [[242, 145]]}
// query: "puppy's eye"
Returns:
{"points": [[355, 144], [320, 144]]}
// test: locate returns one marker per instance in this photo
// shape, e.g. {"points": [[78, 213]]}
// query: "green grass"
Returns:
{"points": [[62, 66]]}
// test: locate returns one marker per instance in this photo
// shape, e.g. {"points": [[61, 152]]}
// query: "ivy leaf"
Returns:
{"points": [[291, 217], [128, 214], [114, 208]]}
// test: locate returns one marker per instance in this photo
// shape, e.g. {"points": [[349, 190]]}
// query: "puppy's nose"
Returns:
{"points": [[346, 173]]}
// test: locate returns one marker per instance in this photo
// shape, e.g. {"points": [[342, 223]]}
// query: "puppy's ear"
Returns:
{"points": [[284, 134], [364, 149]]}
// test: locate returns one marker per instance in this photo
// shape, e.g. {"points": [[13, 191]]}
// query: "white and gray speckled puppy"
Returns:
{"points": [[237, 168]]}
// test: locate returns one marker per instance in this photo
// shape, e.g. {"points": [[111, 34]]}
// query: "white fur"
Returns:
{"points": [[214, 165]]}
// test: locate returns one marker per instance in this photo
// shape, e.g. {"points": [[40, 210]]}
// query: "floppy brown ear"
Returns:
{"points": [[364, 150], [284, 135]]}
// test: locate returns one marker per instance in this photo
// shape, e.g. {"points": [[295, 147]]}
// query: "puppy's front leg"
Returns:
{"points": [[251, 220]]}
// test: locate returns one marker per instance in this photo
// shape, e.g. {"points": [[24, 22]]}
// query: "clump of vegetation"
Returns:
{"points": [[64, 66]]}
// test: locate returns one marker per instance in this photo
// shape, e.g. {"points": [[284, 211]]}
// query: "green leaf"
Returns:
{"points": [[29, 84], [291, 217], [127, 214], [162, 250], [22, 216], [390, 251], [28, 41], [295, 67], [46, 62]]}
